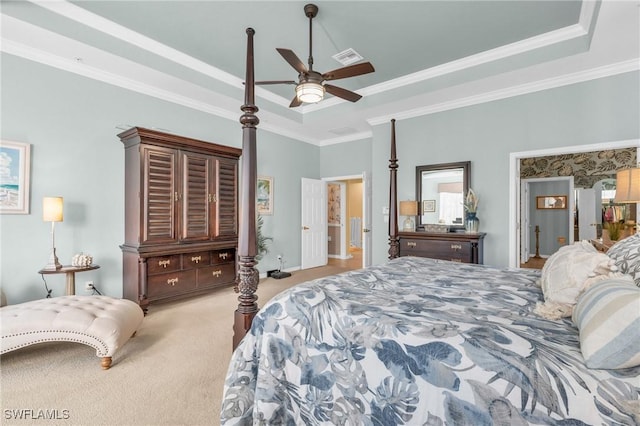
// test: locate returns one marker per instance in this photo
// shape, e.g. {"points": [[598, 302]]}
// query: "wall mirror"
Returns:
{"points": [[440, 189]]}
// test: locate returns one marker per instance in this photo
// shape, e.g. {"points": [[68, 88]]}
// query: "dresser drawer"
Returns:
{"points": [[444, 248], [222, 256], [162, 264], [196, 260], [171, 283], [217, 275]]}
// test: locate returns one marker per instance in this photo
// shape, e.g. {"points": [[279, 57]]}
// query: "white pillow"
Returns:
{"points": [[565, 275], [608, 317], [626, 254]]}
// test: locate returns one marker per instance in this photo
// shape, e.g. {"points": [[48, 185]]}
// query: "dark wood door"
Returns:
{"points": [[159, 195], [197, 196], [227, 198]]}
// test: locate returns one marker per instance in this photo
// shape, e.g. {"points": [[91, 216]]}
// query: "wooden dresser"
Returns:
{"points": [[181, 230], [458, 247]]}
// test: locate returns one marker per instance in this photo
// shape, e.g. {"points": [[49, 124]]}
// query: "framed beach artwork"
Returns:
{"points": [[15, 161], [265, 195]]}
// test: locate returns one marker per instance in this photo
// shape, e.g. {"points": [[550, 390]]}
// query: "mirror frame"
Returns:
{"points": [[466, 179]]}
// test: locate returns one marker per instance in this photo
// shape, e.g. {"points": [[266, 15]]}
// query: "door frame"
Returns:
{"points": [[514, 183], [344, 253], [365, 200]]}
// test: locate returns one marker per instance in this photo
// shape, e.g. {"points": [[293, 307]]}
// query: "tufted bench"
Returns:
{"points": [[102, 322]]}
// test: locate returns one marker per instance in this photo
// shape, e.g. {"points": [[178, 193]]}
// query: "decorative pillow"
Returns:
{"points": [[608, 317], [565, 275], [626, 255]]}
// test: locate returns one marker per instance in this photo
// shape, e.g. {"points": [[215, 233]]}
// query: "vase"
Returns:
{"points": [[471, 223]]}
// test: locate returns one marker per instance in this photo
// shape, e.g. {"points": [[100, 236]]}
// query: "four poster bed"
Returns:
{"points": [[419, 341]]}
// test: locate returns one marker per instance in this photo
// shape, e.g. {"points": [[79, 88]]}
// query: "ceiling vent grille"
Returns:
{"points": [[347, 57]]}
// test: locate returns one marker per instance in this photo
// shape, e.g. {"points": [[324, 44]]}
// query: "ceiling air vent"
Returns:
{"points": [[347, 57]]}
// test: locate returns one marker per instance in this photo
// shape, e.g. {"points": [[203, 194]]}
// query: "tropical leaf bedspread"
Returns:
{"points": [[420, 342]]}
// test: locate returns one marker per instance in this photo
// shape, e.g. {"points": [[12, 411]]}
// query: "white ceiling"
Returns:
{"points": [[429, 56]]}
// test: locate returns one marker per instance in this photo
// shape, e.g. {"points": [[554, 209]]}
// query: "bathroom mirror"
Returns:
{"points": [[440, 190]]}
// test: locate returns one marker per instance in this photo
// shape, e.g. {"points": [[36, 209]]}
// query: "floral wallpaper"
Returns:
{"points": [[587, 168], [334, 203]]}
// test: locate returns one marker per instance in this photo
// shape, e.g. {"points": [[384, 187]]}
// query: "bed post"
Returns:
{"points": [[248, 277], [393, 196]]}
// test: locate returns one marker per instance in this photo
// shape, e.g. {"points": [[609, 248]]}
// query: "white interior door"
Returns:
{"points": [[366, 219], [314, 223], [587, 225]]}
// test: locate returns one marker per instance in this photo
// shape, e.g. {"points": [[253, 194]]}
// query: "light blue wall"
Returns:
{"points": [[346, 159], [592, 112], [70, 122]]}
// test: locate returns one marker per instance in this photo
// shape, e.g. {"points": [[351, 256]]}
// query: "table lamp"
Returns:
{"points": [[52, 212], [409, 209], [628, 187]]}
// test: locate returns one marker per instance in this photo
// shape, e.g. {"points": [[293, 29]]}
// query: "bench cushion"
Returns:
{"points": [[102, 322]]}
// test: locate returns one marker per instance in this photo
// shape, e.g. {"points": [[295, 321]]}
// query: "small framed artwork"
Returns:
{"points": [[551, 202], [15, 162], [265, 195], [428, 206]]}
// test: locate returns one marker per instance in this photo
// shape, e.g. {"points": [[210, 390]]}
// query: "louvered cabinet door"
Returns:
{"points": [[227, 198], [197, 196], [159, 195]]}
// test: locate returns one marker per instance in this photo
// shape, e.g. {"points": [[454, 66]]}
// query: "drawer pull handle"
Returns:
{"points": [[172, 281], [196, 259], [456, 246], [164, 263], [223, 256], [411, 244], [216, 273]]}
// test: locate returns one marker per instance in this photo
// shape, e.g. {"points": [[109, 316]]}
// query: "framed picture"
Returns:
{"points": [[428, 206], [265, 195], [551, 202], [15, 162]]}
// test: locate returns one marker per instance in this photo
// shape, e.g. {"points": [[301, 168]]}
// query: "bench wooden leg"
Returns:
{"points": [[106, 362]]}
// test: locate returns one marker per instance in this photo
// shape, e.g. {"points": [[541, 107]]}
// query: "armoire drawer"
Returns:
{"points": [[217, 275], [171, 283], [163, 264], [222, 256], [196, 260]]}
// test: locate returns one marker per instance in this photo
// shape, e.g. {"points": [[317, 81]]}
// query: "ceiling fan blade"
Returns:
{"points": [[293, 60], [349, 71], [295, 102], [275, 82], [342, 93]]}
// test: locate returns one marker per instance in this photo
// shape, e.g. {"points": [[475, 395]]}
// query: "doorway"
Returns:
{"points": [[350, 237], [545, 230], [515, 188]]}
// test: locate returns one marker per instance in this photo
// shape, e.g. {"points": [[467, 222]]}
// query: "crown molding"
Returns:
{"points": [[518, 90]]}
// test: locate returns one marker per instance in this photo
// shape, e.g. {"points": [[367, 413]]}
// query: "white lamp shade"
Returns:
{"points": [[628, 186], [310, 92], [52, 209], [408, 208]]}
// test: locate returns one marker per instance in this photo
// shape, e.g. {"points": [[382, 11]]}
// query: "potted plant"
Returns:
{"points": [[261, 240]]}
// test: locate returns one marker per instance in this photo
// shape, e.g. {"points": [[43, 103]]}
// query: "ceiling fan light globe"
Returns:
{"points": [[310, 93]]}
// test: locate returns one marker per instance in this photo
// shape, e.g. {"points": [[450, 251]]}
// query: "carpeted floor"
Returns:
{"points": [[171, 373]]}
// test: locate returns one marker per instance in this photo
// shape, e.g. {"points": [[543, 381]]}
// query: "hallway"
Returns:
{"points": [[355, 262]]}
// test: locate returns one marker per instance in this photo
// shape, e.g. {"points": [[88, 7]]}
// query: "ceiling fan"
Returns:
{"points": [[311, 86]]}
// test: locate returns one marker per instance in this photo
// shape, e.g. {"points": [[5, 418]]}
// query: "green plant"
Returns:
{"points": [[614, 229], [261, 240]]}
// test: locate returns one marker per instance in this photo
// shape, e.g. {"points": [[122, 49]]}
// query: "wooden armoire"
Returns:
{"points": [[181, 230]]}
